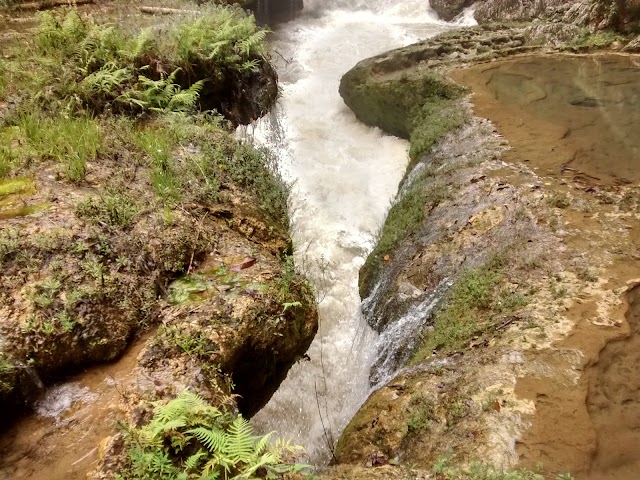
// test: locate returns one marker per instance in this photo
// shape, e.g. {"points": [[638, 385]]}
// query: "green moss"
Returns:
{"points": [[470, 310], [431, 123], [16, 186], [404, 219], [396, 105], [7, 374], [185, 289]]}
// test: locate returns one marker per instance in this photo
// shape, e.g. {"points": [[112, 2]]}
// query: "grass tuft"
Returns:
{"points": [[113, 208], [469, 310]]}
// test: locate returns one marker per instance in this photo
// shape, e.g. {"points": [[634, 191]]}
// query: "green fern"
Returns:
{"points": [[101, 66], [189, 439]]}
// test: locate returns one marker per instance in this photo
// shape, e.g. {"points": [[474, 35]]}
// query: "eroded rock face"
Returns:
{"points": [[621, 15], [447, 10], [472, 400], [273, 11]]}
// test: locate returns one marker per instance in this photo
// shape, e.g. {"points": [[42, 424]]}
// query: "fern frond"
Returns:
{"points": [[194, 460], [214, 440]]}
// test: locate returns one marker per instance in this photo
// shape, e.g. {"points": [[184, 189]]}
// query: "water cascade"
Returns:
{"points": [[267, 11], [345, 175]]}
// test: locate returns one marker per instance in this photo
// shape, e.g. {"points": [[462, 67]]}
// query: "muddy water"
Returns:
{"points": [[613, 403], [572, 115], [60, 441]]}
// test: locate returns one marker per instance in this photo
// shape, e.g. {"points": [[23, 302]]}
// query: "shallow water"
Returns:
{"points": [[565, 115], [345, 176], [60, 440]]}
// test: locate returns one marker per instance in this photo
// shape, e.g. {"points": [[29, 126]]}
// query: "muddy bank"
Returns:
{"points": [[495, 285]]}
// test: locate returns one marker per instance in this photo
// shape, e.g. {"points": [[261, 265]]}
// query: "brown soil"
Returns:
{"points": [[614, 404], [586, 396]]}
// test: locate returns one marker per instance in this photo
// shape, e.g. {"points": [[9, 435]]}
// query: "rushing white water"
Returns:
{"points": [[346, 175]]}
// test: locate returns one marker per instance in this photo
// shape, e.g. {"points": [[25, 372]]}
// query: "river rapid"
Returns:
{"points": [[344, 177]]}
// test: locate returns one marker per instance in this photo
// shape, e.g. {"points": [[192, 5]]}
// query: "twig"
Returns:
{"points": [[164, 11], [49, 4]]}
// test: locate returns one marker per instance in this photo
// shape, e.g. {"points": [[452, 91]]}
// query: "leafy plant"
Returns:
{"points": [[421, 414], [102, 66], [7, 374], [162, 95], [166, 181], [113, 208], [189, 439]]}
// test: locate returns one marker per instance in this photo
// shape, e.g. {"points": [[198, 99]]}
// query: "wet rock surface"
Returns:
{"points": [[516, 391]]}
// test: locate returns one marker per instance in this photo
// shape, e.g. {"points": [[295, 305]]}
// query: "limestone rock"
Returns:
{"points": [[447, 10]]}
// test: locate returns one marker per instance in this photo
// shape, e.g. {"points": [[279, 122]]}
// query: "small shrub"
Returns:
{"points": [[559, 200], [4, 81], [188, 439], [159, 147], [7, 374], [600, 39], [255, 170], [421, 414], [7, 161], [113, 208], [10, 241]]}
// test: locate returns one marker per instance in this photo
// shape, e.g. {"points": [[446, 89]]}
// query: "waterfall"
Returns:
{"points": [[345, 176]]}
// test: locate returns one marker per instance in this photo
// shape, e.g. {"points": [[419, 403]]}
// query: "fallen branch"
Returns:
{"points": [[164, 11], [49, 4]]}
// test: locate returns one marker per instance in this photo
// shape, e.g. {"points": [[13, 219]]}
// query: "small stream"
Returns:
{"points": [[345, 176]]}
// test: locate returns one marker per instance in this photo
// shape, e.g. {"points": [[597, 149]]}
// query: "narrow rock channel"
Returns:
{"points": [[345, 175]]}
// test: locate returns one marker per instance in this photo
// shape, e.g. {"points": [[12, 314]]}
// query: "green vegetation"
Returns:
{"points": [[422, 108], [189, 439], [113, 208], [421, 414], [400, 105], [105, 126], [431, 123], [470, 310], [587, 39], [168, 69], [406, 216], [7, 374], [444, 469], [183, 289], [559, 200]]}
